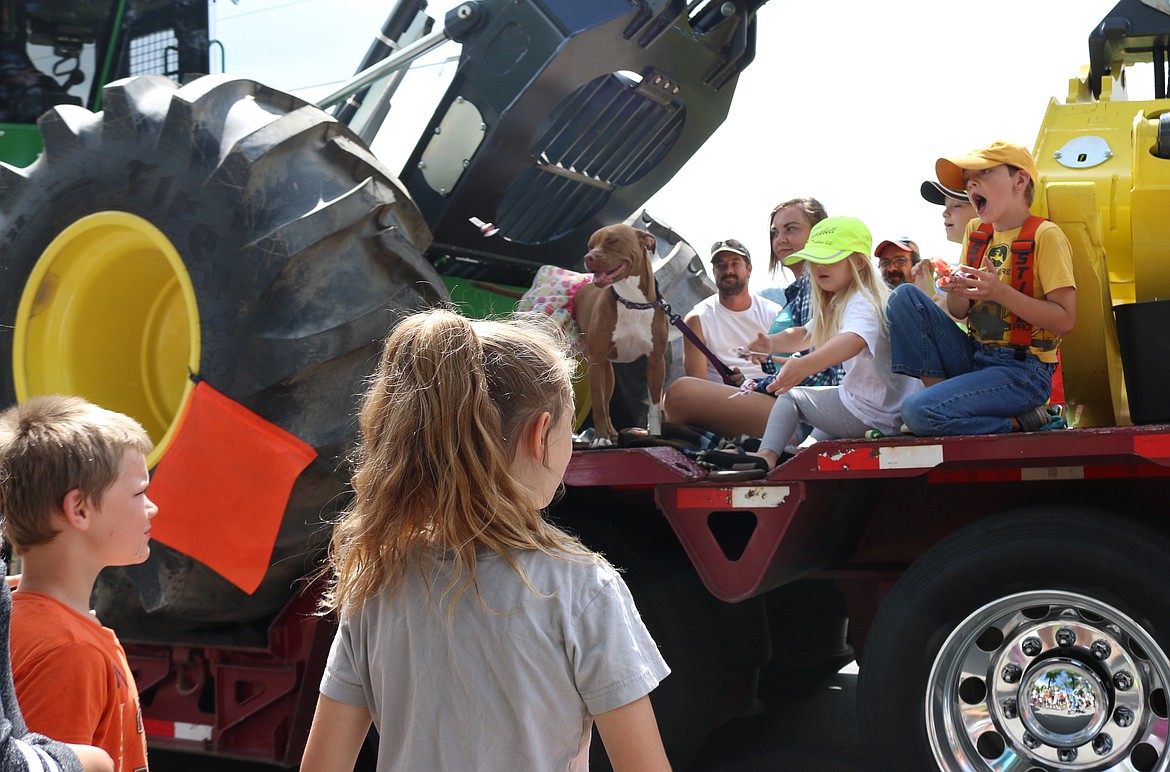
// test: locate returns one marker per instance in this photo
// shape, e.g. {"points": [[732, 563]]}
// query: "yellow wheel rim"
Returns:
{"points": [[109, 314]]}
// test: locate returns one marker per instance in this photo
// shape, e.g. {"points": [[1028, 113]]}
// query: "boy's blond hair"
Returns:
{"points": [[51, 445]]}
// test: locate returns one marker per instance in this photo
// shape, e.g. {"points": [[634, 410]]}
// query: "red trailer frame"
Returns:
{"points": [[253, 703], [855, 511]]}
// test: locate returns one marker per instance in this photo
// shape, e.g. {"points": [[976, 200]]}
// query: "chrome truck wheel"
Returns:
{"points": [[1032, 641], [1048, 679]]}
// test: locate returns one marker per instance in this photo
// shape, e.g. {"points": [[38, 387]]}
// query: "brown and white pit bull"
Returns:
{"points": [[621, 321]]}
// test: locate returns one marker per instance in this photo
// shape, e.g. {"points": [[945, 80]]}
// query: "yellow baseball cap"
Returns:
{"points": [[998, 153], [832, 240]]}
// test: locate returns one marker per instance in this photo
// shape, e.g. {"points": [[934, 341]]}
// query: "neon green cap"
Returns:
{"points": [[834, 239]]}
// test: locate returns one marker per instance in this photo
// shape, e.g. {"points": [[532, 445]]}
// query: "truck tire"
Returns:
{"points": [[680, 616], [221, 230], [1035, 640]]}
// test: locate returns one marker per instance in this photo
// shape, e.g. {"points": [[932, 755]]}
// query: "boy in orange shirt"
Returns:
{"points": [[73, 500], [20, 749]]}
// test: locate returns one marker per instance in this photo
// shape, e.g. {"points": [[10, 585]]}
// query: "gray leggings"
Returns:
{"points": [[819, 406]]}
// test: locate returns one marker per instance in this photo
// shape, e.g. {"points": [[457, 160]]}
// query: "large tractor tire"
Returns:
{"points": [[220, 230], [1036, 640]]}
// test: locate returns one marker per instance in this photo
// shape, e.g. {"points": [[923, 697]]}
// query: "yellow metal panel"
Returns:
{"points": [[1090, 357], [1113, 209]]}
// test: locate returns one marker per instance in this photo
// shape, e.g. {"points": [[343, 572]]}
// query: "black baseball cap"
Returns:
{"points": [[938, 194]]}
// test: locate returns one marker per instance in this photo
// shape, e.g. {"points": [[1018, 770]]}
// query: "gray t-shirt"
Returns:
{"points": [[511, 686]]}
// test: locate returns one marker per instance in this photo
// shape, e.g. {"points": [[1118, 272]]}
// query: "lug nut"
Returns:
{"points": [[1123, 680], [1010, 709], [1011, 673], [1123, 716], [1032, 646], [1102, 744], [1030, 740], [1067, 754], [1101, 649], [1066, 636]]}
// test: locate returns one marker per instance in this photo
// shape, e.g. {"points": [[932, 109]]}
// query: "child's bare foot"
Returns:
{"points": [[771, 457]]}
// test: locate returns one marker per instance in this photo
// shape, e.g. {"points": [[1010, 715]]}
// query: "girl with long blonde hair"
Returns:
{"points": [[848, 326], [473, 633]]}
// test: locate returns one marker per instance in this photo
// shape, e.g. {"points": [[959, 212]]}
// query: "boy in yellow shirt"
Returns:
{"points": [[1017, 293]]}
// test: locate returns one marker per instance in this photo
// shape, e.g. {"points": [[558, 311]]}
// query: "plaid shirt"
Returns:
{"points": [[799, 297]]}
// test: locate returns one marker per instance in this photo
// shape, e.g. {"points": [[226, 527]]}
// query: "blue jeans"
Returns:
{"points": [[985, 385]]}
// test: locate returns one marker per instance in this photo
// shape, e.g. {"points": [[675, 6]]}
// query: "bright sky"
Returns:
{"points": [[848, 101]]}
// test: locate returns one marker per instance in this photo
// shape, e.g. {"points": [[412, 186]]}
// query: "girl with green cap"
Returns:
{"points": [[848, 327]]}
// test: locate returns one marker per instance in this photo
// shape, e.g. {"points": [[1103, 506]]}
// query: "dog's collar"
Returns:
{"points": [[634, 306]]}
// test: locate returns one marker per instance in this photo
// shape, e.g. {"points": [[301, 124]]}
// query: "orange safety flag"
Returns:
{"points": [[223, 485]]}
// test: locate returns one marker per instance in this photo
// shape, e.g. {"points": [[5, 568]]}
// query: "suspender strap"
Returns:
{"points": [[1023, 249], [977, 244]]}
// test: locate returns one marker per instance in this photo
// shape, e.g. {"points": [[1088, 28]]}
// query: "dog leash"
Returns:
{"points": [[725, 372]]}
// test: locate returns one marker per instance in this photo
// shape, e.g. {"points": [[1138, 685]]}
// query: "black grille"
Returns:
{"points": [[157, 52], [606, 134]]}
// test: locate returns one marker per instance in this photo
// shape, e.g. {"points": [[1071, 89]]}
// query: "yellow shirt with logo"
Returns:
{"points": [[1052, 269]]}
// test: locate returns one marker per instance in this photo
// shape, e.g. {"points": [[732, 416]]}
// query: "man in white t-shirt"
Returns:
{"points": [[730, 319]]}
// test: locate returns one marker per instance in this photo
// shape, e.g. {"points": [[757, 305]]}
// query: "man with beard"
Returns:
{"points": [[901, 263], [730, 319], [895, 258]]}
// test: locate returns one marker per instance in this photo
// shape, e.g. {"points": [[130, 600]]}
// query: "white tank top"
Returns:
{"points": [[724, 330]]}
